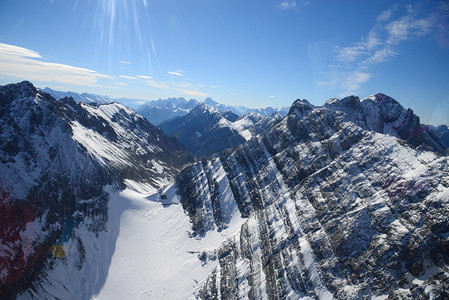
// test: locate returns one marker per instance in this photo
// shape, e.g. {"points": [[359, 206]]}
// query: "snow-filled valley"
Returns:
{"points": [[146, 252]]}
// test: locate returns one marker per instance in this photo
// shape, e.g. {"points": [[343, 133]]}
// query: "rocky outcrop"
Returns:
{"points": [[383, 114]]}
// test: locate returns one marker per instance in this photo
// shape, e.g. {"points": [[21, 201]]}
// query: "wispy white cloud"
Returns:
{"points": [[27, 64], [379, 56], [16, 51], [384, 16], [287, 5], [126, 62], [392, 28], [128, 77], [144, 77], [213, 86], [271, 97], [383, 39], [442, 30], [348, 81], [176, 73], [359, 49], [350, 54], [354, 80], [407, 28]]}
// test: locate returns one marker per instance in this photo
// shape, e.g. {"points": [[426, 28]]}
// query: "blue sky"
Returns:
{"points": [[253, 53]]}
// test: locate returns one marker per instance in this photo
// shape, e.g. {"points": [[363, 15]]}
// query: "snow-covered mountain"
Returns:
{"points": [[347, 201], [158, 111], [242, 110], [205, 130], [60, 161]]}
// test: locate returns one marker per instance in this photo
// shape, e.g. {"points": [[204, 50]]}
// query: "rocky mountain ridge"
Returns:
{"points": [[57, 158], [335, 207]]}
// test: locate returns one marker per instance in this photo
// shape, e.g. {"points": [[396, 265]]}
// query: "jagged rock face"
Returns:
{"points": [[56, 158], [334, 208], [264, 124], [383, 114]]}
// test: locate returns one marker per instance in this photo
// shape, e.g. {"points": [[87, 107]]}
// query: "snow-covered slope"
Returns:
{"points": [[56, 158], [145, 253]]}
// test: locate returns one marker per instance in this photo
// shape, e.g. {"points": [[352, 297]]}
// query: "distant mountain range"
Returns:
{"points": [[93, 98], [205, 130], [158, 111]]}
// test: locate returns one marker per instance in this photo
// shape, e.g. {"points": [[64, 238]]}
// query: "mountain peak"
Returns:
{"points": [[21, 89], [301, 107], [204, 108], [209, 101], [382, 99]]}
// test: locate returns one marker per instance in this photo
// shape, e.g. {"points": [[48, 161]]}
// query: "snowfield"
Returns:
{"points": [[146, 253], [154, 256]]}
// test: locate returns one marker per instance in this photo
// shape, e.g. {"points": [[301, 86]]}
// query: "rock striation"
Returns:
{"points": [[346, 201]]}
